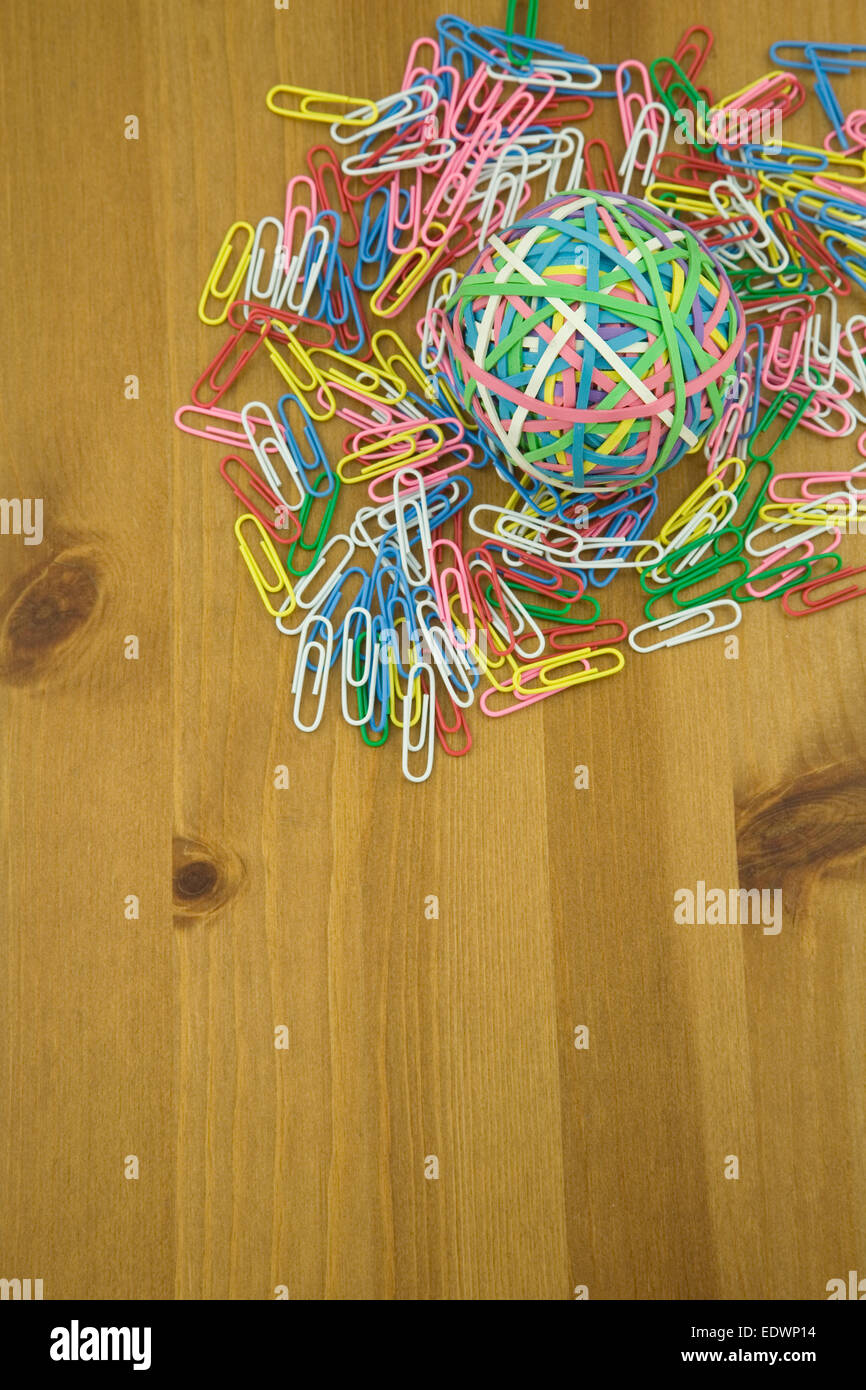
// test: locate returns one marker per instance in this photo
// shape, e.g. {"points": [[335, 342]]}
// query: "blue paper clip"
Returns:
{"points": [[334, 597], [853, 263], [490, 47], [325, 277], [319, 460], [811, 162], [821, 58], [854, 226], [351, 317], [373, 248]]}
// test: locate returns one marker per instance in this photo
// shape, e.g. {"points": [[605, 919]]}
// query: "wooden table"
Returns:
{"points": [[306, 1168]]}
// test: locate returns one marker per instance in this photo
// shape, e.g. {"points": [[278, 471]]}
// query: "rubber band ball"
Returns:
{"points": [[596, 336]]}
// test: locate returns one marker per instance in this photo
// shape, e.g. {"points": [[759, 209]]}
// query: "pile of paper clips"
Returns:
{"points": [[430, 602]]}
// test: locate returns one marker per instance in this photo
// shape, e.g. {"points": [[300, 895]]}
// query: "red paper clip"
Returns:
{"points": [[803, 590], [692, 54], [284, 534]]}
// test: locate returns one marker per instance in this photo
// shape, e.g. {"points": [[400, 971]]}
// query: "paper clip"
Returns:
{"points": [[360, 113], [631, 94], [450, 656], [254, 333], [284, 528], [769, 415], [529, 30], [691, 53], [579, 631], [420, 672], [309, 648], [587, 544], [327, 167], [582, 656], [211, 285], [685, 615], [351, 678], [527, 531], [302, 375], [443, 729], [441, 582], [333, 579], [235, 439], [417, 573], [278, 445], [803, 591], [253, 289], [318, 466], [281, 582], [516, 703]]}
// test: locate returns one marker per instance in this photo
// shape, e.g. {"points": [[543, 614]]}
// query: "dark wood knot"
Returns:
{"points": [[203, 879], [803, 827], [47, 611]]}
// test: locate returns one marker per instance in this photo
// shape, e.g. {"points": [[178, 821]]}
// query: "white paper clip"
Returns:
{"points": [[706, 629], [370, 671], [277, 440], [589, 543], [252, 288], [321, 652], [426, 725], [333, 577]]}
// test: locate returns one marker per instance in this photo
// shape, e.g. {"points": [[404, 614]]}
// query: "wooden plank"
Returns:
{"points": [[410, 1035]]}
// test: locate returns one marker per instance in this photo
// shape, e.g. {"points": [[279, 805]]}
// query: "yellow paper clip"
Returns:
{"points": [[282, 585], [540, 670], [697, 499], [482, 654], [334, 366], [311, 381], [397, 696], [388, 463], [400, 356], [360, 113], [419, 262], [211, 290], [457, 409]]}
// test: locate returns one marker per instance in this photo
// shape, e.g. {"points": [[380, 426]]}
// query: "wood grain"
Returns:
{"points": [[259, 907]]}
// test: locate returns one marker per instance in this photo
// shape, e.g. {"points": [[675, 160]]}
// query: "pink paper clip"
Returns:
{"points": [[854, 127], [296, 212], [451, 193], [776, 494], [465, 102], [786, 360], [779, 580], [632, 102], [520, 702], [416, 68], [236, 439], [431, 471], [440, 584]]}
